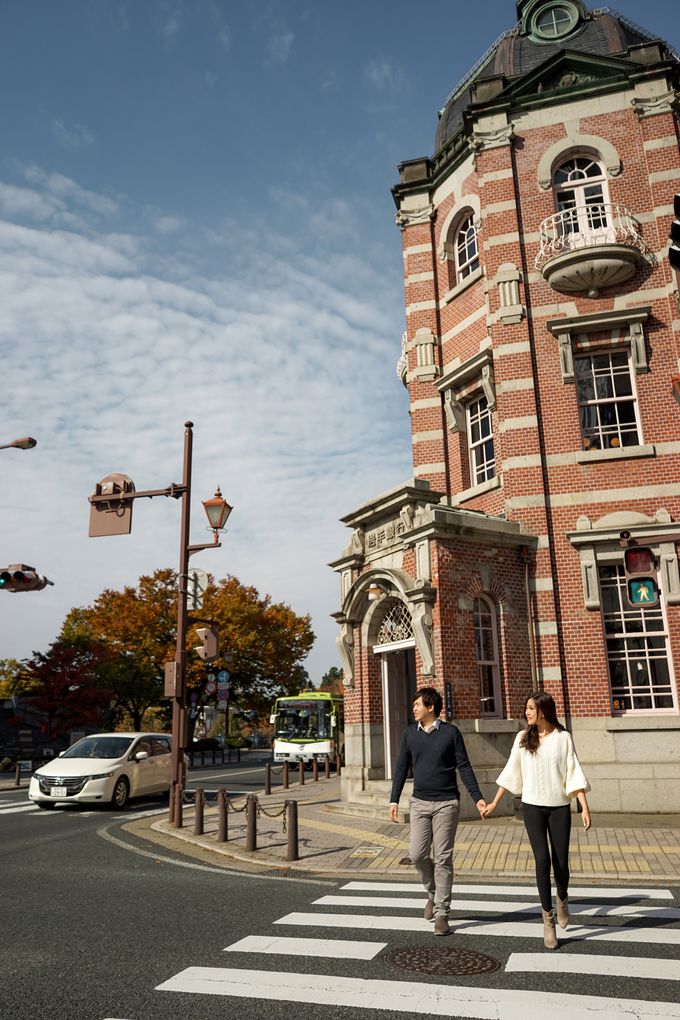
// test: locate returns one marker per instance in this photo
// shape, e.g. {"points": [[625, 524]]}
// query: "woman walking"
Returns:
{"points": [[543, 767]]}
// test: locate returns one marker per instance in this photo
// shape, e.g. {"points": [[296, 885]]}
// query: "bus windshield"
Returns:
{"points": [[303, 720]]}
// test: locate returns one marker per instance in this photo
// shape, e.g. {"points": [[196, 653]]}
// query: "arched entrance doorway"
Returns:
{"points": [[395, 645]]}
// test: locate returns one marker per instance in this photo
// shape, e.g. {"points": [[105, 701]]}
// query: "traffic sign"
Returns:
{"points": [[210, 687], [223, 676], [198, 582]]}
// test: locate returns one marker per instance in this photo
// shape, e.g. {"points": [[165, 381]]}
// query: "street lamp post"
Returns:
{"points": [[111, 514], [217, 511], [27, 443]]}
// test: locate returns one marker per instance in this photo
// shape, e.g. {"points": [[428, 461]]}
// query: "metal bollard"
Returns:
{"points": [[302, 773], [178, 821], [267, 779], [285, 775], [251, 822], [222, 820], [171, 803], [327, 767], [338, 765], [315, 770], [293, 850], [198, 813], [17, 775]]}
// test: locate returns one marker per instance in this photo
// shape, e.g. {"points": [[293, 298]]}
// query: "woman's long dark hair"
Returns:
{"points": [[545, 706]]}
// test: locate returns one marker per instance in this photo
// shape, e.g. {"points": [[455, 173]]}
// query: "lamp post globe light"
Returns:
{"points": [[217, 510]]}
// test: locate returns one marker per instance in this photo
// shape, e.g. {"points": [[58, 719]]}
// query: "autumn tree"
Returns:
{"points": [[262, 644], [65, 688], [133, 632], [14, 678]]}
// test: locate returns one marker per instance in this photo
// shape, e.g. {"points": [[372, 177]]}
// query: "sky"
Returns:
{"points": [[196, 223]]}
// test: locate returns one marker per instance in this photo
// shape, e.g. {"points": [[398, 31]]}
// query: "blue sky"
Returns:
{"points": [[196, 222]]}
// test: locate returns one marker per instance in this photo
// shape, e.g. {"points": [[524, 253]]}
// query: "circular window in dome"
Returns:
{"points": [[555, 21]]}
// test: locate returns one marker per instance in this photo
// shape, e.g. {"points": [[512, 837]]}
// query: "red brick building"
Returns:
{"points": [[541, 343]]}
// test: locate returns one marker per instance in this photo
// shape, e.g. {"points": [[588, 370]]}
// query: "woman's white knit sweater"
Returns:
{"points": [[548, 778]]}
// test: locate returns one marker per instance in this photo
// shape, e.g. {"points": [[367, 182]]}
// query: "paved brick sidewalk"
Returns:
{"points": [[334, 841]]}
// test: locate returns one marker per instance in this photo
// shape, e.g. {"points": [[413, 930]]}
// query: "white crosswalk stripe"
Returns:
{"points": [[502, 907], [413, 997], [596, 892], [14, 809], [421, 995]]}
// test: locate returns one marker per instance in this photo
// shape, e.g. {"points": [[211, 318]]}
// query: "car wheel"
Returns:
{"points": [[121, 792]]}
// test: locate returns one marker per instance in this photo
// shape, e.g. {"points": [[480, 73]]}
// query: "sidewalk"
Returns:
{"points": [[636, 849]]}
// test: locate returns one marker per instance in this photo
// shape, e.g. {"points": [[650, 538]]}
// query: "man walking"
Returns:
{"points": [[435, 750]]}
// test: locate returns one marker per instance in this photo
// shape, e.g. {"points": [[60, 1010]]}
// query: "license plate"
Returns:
{"points": [[57, 791]]}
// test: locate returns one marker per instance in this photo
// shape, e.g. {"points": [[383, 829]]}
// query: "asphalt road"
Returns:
{"points": [[101, 925]]}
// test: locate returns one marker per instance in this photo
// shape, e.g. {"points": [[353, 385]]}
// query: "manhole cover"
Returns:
{"points": [[458, 962]]}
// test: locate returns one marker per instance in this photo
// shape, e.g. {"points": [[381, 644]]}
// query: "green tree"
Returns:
{"points": [[331, 681]]}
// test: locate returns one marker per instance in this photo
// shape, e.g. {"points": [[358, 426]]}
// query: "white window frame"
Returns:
{"points": [[481, 469], [466, 247], [484, 664], [627, 616], [596, 403], [586, 219]]}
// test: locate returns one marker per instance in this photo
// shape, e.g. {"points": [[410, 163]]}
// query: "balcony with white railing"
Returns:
{"points": [[584, 249]]}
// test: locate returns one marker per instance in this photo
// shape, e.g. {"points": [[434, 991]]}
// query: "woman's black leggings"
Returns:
{"points": [[554, 823]]}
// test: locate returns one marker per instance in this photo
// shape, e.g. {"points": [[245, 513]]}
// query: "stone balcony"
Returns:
{"points": [[582, 251]]}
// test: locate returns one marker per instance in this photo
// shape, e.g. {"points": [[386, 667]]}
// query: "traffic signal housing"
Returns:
{"points": [[209, 647], [642, 586], [21, 577]]}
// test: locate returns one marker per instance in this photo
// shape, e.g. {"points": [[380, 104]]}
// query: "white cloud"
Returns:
{"points": [[383, 75], [171, 26], [73, 136], [286, 365], [64, 188], [280, 43]]}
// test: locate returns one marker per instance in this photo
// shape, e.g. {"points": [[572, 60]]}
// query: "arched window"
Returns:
{"points": [[466, 248], [581, 197], [486, 650]]}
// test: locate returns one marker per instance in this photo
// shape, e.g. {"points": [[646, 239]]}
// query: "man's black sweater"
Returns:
{"points": [[435, 756]]}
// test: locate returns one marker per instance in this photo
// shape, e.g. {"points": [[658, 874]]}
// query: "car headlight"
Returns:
{"points": [[38, 775], [100, 775]]}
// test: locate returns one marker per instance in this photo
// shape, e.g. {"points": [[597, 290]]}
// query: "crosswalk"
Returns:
{"points": [[24, 807], [390, 909]]}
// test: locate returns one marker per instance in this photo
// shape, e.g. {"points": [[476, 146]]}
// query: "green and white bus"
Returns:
{"points": [[307, 726]]}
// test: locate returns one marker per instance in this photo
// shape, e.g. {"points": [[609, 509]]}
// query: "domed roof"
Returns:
{"points": [[546, 28]]}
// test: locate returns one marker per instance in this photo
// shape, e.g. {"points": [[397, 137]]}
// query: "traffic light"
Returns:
{"points": [[209, 647], [674, 250], [642, 588], [21, 577]]}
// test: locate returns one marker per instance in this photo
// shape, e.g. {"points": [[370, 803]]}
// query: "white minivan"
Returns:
{"points": [[105, 768]]}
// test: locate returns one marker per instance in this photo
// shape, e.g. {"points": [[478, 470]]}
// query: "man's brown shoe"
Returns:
{"points": [[441, 926], [428, 912]]}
